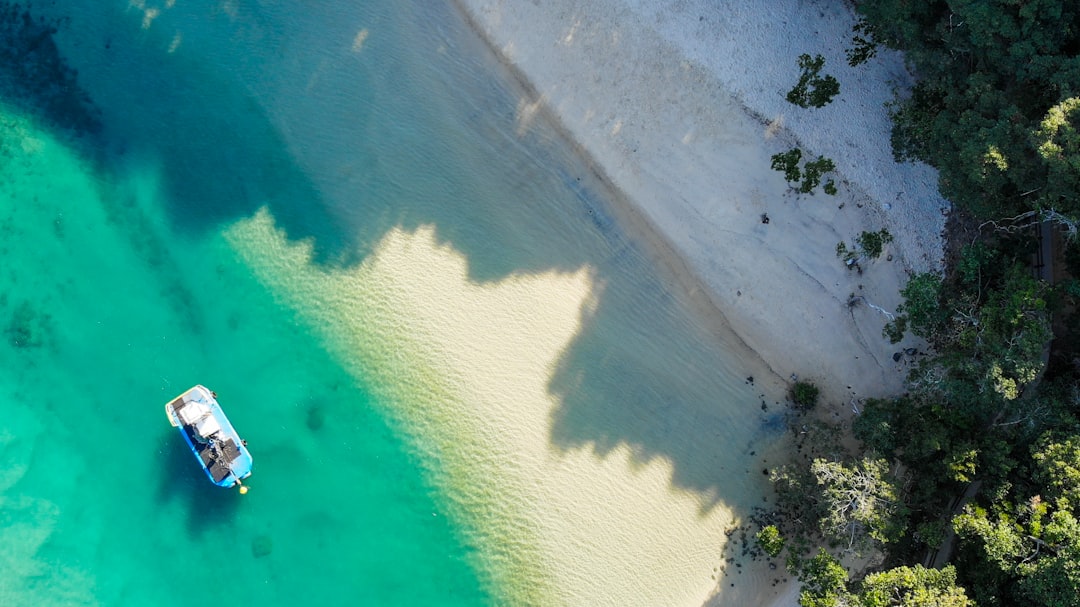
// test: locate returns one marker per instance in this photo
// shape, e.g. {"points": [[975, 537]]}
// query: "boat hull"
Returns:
{"points": [[210, 435]]}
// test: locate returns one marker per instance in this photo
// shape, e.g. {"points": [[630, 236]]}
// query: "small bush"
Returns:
{"points": [[770, 540], [865, 46], [788, 163], [812, 173], [805, 395], [894, 330], [813, 90], [873, 243], [868, 245], [809, 176]]}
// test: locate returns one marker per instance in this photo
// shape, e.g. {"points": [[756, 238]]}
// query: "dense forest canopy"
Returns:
{"points": [[997, 105]]}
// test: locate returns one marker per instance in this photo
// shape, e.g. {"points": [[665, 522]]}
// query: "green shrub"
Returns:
{"points": [[805, 395], [788, 163], [873, 243], [868, 245], [770, 540], [813, 90], [809, 176], [812, 173]]}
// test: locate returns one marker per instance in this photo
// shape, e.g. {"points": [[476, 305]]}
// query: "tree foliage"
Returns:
{"points": [[913, 587], [995, 108], [1028, 542], [867, 245], [770, 540], [824, 581], [986, 440], [990, 327], [805, 394], [864, 46], [809, 176], [813, 89], [859, 502]]}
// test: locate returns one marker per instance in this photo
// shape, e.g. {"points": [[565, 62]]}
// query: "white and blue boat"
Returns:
{"points": [[212, 438]]}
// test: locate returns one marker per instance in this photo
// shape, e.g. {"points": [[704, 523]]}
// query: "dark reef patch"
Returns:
{"points": [[34, 76]]}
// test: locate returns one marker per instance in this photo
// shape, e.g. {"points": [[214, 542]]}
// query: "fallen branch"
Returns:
{"points": [[855, 299], [1033, 218]]}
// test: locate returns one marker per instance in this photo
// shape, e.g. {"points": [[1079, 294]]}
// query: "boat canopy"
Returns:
{"points": [[193, 411], [207, 426]]}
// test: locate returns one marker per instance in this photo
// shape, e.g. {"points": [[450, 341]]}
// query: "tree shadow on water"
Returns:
{"points": [[342, 147], [664, 396]]}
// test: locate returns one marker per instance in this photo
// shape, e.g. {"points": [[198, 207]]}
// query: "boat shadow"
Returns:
{"points": [[208, 506]]}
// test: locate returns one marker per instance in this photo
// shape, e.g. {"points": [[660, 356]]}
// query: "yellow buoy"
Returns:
{"points": [[243, 490]]}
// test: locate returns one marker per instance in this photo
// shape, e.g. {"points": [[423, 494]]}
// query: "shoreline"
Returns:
{"points": [[634, 221], [684, 146], [649, 153]]}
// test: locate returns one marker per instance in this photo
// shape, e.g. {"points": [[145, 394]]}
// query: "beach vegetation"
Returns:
{"points": [[868, 245], [968, 484], [788, 163], [805, 395], [813, 89], [915, 586], [859, 503], [864, 43], [808, 177], [812, 174], [824, 581], [770, 540], [997, 105]]}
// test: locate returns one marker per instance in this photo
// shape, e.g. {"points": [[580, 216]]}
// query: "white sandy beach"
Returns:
{"points": [[678, 106]]}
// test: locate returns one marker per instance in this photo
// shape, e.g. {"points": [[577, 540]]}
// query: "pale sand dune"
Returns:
{"points": [[680, 105], [554, 527]]}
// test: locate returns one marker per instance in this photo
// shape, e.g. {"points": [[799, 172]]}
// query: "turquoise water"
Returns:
{"points": [[108, 312], [118, 290]]}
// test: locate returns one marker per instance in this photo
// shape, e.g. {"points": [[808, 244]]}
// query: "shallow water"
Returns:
{"points": [[132, 266]]}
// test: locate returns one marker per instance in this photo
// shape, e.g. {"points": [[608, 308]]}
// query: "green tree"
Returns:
{"points": [[913, 587], [809, 176], [812, 174], [868, 245], [859, 504], [993, 109], [1058, 469], [1024, 545], [864, 46], [770, 540], [804, 394], [788, 163], [990, 329], [813, 89], [824, 581]]}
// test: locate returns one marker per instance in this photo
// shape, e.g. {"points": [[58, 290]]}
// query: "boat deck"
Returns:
{"points": [[217, 454]]}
